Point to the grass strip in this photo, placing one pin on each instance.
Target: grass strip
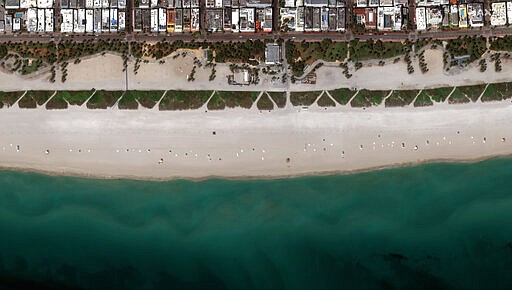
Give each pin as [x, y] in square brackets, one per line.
[497, 92]
[400, 98]
[132, 99]
[184, 100]
[264, 103]
[367, 98]
[472, 92]
[458, 97]
[343, 95]
[8, 99]
[103, 99]
[304, 98]
[438, 95]
[423, 100]
[279, 98]
[63, 98]
[325, 101]
[32, 99]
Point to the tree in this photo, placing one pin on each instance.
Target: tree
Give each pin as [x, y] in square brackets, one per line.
[3, 50]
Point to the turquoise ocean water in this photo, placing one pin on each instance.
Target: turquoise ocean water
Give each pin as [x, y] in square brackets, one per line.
[437, 226]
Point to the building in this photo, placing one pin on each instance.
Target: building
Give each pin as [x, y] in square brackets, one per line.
[27, 15]
[272, 54]
[246, 20]
[66, 25]
[214, 21]
[499, 13]
[389, 18]
[476, 14]
[366, 17]
[434, 16]
[421, 21]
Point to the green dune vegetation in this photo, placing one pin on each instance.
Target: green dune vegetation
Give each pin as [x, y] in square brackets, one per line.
[438, 95]
[184, 100]
[325, 101]
[497, 92]
[132, 99]
[304, 98]
[400, 98]
[472, 92]
[216, 103]
[62, 99]
[8, 99]
[32, 99]
[458, 97]
[218, 100]
[343, 95]
[264, 103]
[367, 98]
[103, 99]
[423, 100]
[240, 99]
[466, 94]
[279, 98]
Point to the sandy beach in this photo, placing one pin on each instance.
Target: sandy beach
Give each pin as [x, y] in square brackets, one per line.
[105, 72]
[151, 144]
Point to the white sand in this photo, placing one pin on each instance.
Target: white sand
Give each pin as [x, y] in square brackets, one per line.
[113, 143]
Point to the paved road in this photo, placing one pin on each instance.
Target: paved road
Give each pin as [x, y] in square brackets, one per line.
[297, 36]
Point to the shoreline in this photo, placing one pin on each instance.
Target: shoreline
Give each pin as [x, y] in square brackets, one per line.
[256, 177]
[249, 144]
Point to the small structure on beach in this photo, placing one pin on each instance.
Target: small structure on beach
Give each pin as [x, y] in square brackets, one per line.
[272, 54]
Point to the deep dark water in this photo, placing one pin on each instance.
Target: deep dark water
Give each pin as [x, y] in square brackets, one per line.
[437, 226]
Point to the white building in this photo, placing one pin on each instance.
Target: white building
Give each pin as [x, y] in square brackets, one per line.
[434, 16]
[122, 20]
[48, 13]
[113, 19]
[498, 13]
[32, 20]
[235, 20]
[154, 20]
[389, 18]
[67, 20]
[162, 20]
[247, 20]
[16, 24]
[45, 3]
[40, 20]
[289, 3]
[89, 20]
[195, 20]
[79, 20]
[463, 16]
[24, 4]
[421, 23]
[105, 19]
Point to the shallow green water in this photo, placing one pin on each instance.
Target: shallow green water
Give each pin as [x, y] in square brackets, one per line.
[439, 226]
